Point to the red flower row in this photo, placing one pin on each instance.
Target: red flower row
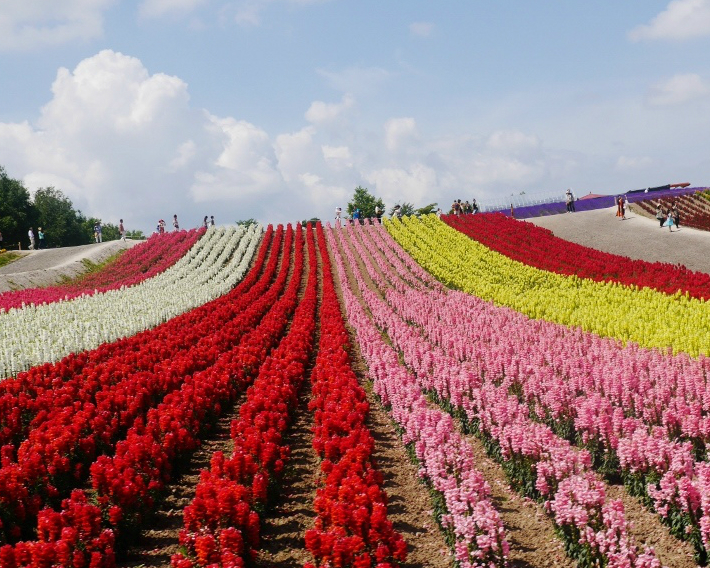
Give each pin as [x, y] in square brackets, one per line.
[64, 439]
[26, 399]
[352, 528]
[222, 522]
[134, 265]
[142, 462]
[538, 247]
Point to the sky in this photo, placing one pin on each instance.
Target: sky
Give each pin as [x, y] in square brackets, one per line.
[277, 109]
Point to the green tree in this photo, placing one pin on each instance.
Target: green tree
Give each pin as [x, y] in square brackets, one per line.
[427, 209]
[247, 222]
[17, 213]
[405, 209]
[109, 232]
[365, 202]
[62, 225]
[135, 235]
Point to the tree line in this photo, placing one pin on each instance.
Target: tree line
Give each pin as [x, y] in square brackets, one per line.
[50, 209]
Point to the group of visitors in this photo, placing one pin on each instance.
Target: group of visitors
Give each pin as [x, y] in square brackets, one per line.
[357, 214]
[669, 217]
[622, 204]
[207, 222]
[465, 208]
[38, 243]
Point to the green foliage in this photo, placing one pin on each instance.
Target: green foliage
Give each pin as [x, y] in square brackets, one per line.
[17, 214]
[405, 209]
[135, 235]
[247, 222]
[312, 221]
[365, 202]
[427, 209]
[61, 224]
[109, 232]
[8, 257]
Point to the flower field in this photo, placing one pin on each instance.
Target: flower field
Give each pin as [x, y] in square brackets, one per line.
[502, 368]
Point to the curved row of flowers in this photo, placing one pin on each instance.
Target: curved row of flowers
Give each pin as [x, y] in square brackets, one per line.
[37, 334]
[133, 266]
[540, 248]
[351, 527]
[447, 460]
[126, 484]
[644, 316]
[222, 524]
[539, 462]
[69, 425]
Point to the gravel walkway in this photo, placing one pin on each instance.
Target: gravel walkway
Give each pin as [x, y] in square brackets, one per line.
[637, 237]
[39, 268]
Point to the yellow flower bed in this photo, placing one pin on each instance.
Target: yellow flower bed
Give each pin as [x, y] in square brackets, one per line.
[644, 316]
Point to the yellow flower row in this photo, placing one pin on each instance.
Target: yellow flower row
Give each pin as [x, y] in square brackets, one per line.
[644, 316]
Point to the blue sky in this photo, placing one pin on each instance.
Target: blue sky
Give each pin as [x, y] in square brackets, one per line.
[278, 109]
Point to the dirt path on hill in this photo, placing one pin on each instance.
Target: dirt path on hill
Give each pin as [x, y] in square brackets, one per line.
[46, 267]
[637, 237]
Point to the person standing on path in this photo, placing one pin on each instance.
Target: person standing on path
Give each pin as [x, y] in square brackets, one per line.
[659, 215]
[121, 230]
[211, 220]
[620, 209]
[176, 225]
[338, 215]
[31, 235]
[40, 235]
[676, 216]
[205, 224]
[669, 221]
[569, 199]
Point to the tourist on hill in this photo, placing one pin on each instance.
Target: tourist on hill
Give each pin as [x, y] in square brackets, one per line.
[121, 230]
[211, 220]
[669, 221]
[659, 215]
[569, 200]
[40, 236]
[205, 223]
[474, 206]
[676, 216]
[31, 235]
[176, 225]
[620, 209]
[338, 216]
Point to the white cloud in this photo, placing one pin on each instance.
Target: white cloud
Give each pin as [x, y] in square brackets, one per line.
[34, 24]
[320, 112]
[416, 184]
[421, 29]
[679, 89]
[633, 162]
[512, 141]
[399, 132]
[682, 19]
[160, 8]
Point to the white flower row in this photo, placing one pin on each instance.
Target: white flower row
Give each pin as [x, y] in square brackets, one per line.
[33, 335]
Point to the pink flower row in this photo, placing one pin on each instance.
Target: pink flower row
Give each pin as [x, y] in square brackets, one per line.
[135, 265]
[557, 468]
[447, 460]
